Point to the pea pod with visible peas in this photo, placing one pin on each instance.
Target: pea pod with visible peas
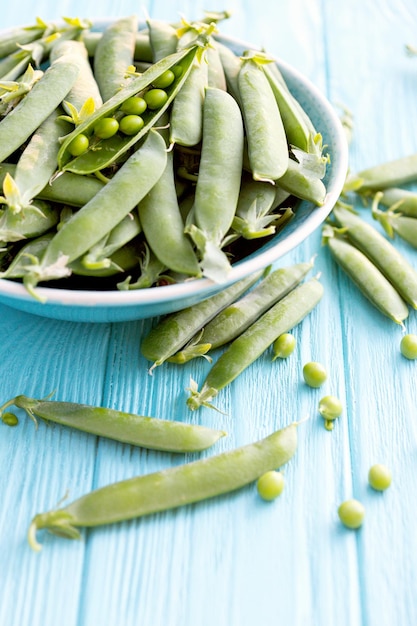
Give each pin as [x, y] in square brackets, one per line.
[103, 212]
[175, 330]
[368, 278]
[381, 252]
[243, 351]
[170, 488]
[102, 153]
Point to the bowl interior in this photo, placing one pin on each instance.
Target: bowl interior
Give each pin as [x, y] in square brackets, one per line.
[110, 306]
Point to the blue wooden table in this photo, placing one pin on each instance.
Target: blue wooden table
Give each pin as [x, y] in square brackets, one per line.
[236, 560]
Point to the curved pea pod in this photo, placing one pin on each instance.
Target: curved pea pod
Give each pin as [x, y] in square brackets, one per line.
[170, 488]
[32, 222]
[243, 351]
[104, 211]
[114, 54]
[19, 36]
[402, 199]
[174, 331]
[147, 432]
[297, 130]
[186, 121]
[367, 277]
[267, 142]
[393, 173]
[216, 195]
[163, 226]
[71, 189]
[37, 105]
[381, 252]
[102, 153]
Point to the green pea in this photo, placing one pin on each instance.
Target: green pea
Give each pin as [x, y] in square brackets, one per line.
[270, 485]
[283, 346]
[164, 80]
[106, 127]
[10, 419]
[330, 408]
[314, 374]
[131, 124]
[135, 105]
[155, 98]
[177, 70]
[351, 513]
[379, 477]
[78, 145]
[408, 346]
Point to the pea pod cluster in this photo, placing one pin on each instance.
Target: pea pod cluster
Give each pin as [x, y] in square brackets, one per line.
[140, 123]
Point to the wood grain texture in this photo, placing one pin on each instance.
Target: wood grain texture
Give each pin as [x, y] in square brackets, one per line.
[236, 560]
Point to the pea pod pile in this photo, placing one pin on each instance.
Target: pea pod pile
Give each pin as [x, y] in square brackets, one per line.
[114, 147]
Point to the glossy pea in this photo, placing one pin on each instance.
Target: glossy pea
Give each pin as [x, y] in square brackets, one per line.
[351, 513]
[135, 105]
[379, 477]
[164, 80]
[79, 145]
[368, 278]
[147, 432]
[283, 346]
[270, 485]
[408, 346]
[131, 124]
[243, 351]
[171, 333]
[106, 127]
[314, 374]
[381, 252]
[170, 488]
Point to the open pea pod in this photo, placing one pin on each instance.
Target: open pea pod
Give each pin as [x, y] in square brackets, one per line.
[104, 152]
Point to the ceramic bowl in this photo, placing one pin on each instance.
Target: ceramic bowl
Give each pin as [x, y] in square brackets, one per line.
[119, 306]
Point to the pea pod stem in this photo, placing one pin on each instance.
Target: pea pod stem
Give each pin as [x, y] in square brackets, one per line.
[243, 351]
[170, 488]
[147, 432]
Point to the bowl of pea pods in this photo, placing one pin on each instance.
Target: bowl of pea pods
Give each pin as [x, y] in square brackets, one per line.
[146, 166]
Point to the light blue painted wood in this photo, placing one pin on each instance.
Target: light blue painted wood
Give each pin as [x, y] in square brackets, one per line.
[235, 561]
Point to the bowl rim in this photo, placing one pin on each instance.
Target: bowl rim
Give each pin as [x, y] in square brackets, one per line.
[194, 286]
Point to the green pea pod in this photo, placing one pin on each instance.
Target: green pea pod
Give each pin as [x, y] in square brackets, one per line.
[267, 142]
[393, 173]
[231, 64]
[163, 226]
[170, 488]
[19, 36]
[174, 331]
[402, 199]
[367, 277]
[302, 185]
[186, 122]
[216, 76]
[104, 152]
[237, 317]
[147, 432]
[243, 351]
[163, 39]
[37, 105]
[216, 195]
[35, 220]
[114, 54]
[394, 223]
[381, 252]
[143, 50]
[123, 260]
[104, 211]
[24, 259]
[253, 217]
